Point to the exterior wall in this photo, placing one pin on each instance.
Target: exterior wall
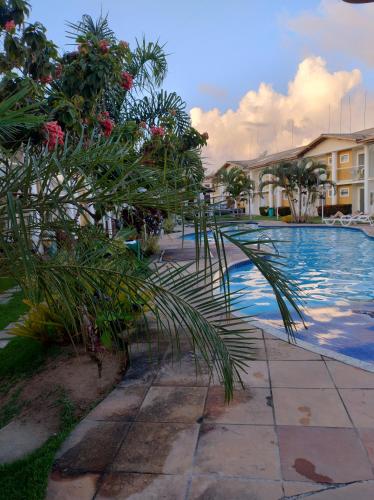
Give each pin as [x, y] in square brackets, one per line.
[345, 168]
[344, 200]
[328, 145]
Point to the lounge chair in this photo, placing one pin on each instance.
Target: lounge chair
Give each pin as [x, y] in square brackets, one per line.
[358, 219]
[330, 221]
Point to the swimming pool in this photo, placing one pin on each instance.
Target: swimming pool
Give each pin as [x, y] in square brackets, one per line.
[334, 268]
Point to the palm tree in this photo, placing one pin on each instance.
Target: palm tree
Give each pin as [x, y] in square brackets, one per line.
[297, 178]
[236, 182]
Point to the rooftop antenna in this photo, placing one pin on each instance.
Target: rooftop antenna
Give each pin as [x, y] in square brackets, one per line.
[350, 114]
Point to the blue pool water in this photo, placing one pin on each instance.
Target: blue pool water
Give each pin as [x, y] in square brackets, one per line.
[334, 268]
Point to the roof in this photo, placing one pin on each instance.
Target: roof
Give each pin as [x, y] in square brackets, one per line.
[361, 136]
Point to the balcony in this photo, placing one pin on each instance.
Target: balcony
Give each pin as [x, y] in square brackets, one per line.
[358, 173]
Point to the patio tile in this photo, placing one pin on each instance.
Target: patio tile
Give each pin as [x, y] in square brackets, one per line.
[91, 446]
[359, 491]
[119, 486]
[239, 450]
[300, 374]
[280, 350]
[73, 488]
[213, 488]
[309, 407]
[185, 371]
[367, 438]
[322, 455]
[250, 406]
[360, 406]
[173, 404]
[157, 448]
[293, 488]
[350, 377]
[256, 375]
[259, 349]
[120, 404]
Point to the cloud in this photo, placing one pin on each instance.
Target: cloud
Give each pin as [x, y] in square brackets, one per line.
[213, 91]
[338, 27]
[272, 121]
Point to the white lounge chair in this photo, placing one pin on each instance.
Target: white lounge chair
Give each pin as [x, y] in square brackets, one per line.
[338, 217]
[358, 219]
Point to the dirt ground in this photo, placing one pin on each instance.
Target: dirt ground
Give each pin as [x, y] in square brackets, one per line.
[69, 376]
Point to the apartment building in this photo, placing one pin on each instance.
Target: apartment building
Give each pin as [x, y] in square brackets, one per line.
[350, 160]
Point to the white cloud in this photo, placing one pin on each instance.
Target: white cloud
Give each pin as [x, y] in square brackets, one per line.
[339, 27]
[272, 121]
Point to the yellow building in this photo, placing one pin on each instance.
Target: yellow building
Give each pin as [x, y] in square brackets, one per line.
[350, 160]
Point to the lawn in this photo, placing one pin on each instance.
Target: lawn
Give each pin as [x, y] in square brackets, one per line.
[12, 310]
[6, 283]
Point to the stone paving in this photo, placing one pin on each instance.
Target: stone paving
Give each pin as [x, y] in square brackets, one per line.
[303, 425]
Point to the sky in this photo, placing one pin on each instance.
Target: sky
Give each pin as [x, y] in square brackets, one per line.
[257, 75]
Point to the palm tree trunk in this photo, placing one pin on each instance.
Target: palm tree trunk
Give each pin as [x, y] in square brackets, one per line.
[292, 205]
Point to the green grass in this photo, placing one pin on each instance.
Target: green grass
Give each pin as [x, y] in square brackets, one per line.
[27, 479]
[10, 409]
[12, 310]
[21, 357]
[6, 283]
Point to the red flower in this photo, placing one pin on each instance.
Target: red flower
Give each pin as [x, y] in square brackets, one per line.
[10, 26]
[106, 123]
[104, 46]
[123, 44]
[205, 136]
[157, 131]
[54, 135]
[127, 80]
[46, 79]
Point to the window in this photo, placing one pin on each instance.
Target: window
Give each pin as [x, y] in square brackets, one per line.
[329, 160]
[344, 192]
[285, 197]
[344, 158]
[361, 160]
[330, 193]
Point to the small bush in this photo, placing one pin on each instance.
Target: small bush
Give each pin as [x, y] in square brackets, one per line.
[333, 209]
[168, 225]
[264, 211]
[151, 246]
[283, 211]
[287, 218]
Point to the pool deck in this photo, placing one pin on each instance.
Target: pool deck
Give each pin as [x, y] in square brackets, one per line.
[303, 426]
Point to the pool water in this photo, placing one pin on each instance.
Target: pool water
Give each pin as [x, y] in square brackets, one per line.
[334, 268]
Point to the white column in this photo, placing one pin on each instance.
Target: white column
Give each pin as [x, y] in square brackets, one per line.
[334, 176]
[279, 197]
[271, 203]
[366, 180]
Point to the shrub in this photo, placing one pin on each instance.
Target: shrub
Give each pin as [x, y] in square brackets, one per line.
[168, 225]
[333, 209]
[264, 211]
[283, 211]
[151, 246]
[287, 218]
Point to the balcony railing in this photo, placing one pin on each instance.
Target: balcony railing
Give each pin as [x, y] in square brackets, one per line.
[358, 173]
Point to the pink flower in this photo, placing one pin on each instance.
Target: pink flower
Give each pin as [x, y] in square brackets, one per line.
[54, 135]
[127, 80]
[123, 44]
[106, 123]
[104, 46]
[46, 79]
[10, 26]
[157, 131]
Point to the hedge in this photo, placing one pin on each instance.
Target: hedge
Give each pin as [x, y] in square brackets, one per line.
[264, 211]
[283, 211]
[333, 209]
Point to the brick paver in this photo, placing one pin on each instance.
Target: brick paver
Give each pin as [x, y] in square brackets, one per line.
[302, 425]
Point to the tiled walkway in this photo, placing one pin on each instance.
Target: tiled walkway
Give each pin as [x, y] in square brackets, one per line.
[303, 424]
